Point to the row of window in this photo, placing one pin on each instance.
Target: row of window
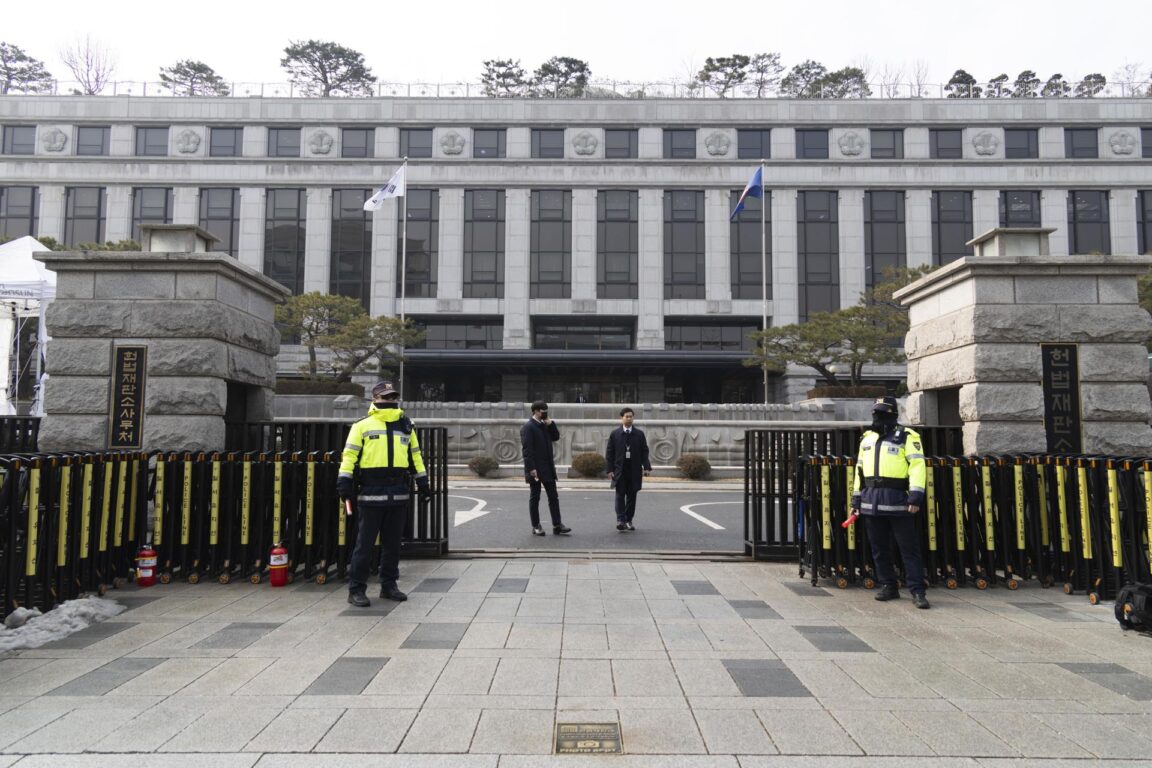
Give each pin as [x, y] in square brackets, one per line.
[730, 334]
[679, 143]
[617, 238]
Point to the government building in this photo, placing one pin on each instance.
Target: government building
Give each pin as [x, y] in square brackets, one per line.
[581, 250]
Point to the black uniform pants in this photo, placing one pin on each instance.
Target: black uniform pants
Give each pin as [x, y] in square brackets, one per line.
[534, 501]
[625, 498]
[388, 522]
[881, 530]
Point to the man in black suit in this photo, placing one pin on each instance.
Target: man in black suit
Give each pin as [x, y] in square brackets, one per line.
[536, 438]
[627, 460]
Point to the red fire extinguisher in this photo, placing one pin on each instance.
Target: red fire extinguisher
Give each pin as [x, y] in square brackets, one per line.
[146, 566]
[278, 566]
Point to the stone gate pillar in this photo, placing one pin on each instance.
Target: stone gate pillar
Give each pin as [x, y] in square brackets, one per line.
[157, 349]
[1031, 351]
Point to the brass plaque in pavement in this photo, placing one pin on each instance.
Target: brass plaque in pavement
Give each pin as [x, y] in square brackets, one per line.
[588, 739]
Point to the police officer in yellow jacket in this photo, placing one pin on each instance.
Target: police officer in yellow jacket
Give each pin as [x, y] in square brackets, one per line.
[381, 454]
[888, 492]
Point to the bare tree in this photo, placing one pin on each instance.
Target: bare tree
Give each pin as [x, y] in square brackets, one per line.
[920, 79]
[91, 64]
[890, 77]
[1132, 79]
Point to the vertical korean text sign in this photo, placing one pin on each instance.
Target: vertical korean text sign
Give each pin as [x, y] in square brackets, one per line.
[126, 410]
[1062, 421]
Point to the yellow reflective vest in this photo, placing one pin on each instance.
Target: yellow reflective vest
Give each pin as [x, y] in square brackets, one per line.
[382, 452]
[890, 472]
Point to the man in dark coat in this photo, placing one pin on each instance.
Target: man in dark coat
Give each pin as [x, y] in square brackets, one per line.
[628, 465]
[536, 438]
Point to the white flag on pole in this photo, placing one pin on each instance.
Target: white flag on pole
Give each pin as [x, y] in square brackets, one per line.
[394, 188]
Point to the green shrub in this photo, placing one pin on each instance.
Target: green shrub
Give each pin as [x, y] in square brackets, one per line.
[317, 387]
[483, 465]
[588, 464]
[864, 390]
[694, 466]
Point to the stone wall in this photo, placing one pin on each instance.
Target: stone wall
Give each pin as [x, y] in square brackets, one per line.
[206, 320]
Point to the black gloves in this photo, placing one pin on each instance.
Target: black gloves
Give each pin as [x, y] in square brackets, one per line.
[346, 487]
[423, 488]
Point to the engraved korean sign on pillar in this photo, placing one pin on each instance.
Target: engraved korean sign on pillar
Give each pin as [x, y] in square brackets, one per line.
[126, 411]
[1062, 423]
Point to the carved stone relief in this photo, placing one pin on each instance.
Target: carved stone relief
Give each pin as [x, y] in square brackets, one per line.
[852, 144]
[187, 141]
[585, 143]
[53, 140]
[1122, 143]
[717, 144]
[452, 143]
[320, 143]
[985, 143]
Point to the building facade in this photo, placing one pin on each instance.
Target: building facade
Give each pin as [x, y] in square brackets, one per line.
[581, 250]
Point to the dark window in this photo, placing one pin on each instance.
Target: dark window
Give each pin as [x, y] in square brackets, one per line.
[351, 248]
[357, 142]
[283, 142]
[620, 143]
[284, 237]
[1020, 208]
[547, 142]
[818, 248]
[488, 142]
[885, 248]
[1081, 142]
[415, 142]
[617, 243]
[83, 215]
[19, 139]
[550, 253]
[684, 274]
[1088, 222]
[152, 141]
[812, 144]
[1146, 142]
[92, 140]
[572, 334]
[679, 143]
[225, 142]
[220, 215]
[423, 238]
[951, 225]
[1021, 143]
[461, 334]
[750, 261]
[17, 212]
[753, 144]
[946, 143]
[483, 243]
[887, 144]
[1144, 221]
[695, 336]
[150, 205]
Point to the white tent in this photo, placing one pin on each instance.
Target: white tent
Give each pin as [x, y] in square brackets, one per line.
[26, 288]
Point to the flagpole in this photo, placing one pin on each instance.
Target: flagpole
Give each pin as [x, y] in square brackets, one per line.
[764, 265]
[403, 272]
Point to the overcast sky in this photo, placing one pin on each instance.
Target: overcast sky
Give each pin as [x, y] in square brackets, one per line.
[638, 41]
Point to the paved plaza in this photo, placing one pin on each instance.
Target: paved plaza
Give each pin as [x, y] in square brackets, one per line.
[702, 664]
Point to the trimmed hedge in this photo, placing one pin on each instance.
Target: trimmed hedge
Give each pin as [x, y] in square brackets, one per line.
[483, 465]
[317, 387]
[866, 390]
[588, 464]
[694, 466]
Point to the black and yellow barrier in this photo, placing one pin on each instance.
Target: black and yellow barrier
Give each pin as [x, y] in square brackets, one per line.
[71, 524]
[1080, 521]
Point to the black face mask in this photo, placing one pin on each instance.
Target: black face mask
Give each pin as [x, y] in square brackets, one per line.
[883, 421]
[387, 404]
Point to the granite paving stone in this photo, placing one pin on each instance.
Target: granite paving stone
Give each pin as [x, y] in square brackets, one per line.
[441, 730]
[880, 733]
[682, 637]
[143, 761]
[727, 731]
[805, 589]
[954, 733]
[368, 730]
[486, 634]
[727, 636]
[1115, 678]
[1029, 735]
[295, 730]
[542, 637]
[505, 585]
[635, 637]
[225, 729]
[89, 636]
[466, 675]
[498, 607]
[586, 677]
[226, 677]
[753, 609]
[103, 679]
[807, 732]
[767, 677]
[408, 674]
[585, 636]
[1050, 611]
[149, 730]
[696, 587]
[1112, 737]
[527, 677]
[348, 675]
[660, 732]
[882, 678]
[637, 677]
[833, 639]
[168, 677]
[435, 636]
[705, 677]
[510, 731]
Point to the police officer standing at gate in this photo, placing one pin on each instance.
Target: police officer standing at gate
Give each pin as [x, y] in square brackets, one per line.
[888, 492]
[381, 454]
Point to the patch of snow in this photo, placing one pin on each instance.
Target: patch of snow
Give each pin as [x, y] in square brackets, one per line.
[36, 629]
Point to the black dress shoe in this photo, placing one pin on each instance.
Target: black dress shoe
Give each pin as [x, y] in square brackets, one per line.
[629, 526]
[887, 592]
[920, 601]
[359, 599]
[538, 531]
[621, 526]
[561, 529]
[393, 593]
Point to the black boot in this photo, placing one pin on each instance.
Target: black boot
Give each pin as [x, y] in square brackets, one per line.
[392, 592]
[359, 599]
[920, 601]
[561, 529]
[887, 592]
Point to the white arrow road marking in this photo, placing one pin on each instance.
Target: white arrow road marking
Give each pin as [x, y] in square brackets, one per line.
[687, 509]
[468, 515]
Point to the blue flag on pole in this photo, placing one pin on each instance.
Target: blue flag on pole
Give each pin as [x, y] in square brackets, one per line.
[754, 188]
